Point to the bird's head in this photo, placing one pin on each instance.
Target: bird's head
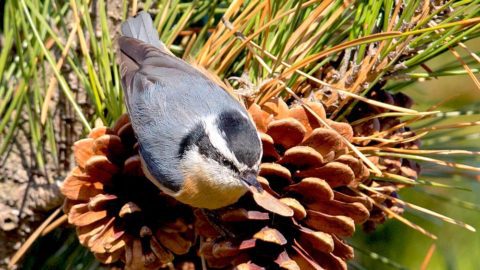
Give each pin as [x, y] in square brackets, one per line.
[220, 158]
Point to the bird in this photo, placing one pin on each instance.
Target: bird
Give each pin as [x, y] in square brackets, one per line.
[197, 142]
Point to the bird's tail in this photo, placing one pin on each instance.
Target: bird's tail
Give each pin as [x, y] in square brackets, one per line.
[141, 27]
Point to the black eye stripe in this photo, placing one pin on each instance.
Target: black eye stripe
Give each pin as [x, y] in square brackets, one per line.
[206, 149]
[198, 137]
[227, 163]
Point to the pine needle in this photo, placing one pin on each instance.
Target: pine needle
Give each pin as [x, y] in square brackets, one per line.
[466, 67]
[390, 114]
[449, 126]
[61, 80]
[428, 257]
[31, 239]
[422, 209]
[55, 224]
[376, 256]
[432, 160]
[134, 8]
[395, 178]
[420, 151]
[53, 81]
[397, 216]
[459, 59]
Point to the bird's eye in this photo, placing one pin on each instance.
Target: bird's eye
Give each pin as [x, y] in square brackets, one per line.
[227, 163]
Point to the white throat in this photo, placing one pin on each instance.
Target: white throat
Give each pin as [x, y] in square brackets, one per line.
[208, 184]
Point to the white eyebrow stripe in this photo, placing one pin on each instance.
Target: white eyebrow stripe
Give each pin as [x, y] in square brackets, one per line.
[219, 142]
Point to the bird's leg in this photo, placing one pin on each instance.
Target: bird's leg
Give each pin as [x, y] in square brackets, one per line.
[214, 220]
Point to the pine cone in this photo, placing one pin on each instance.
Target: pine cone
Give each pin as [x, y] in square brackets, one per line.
[118, 213]
[307, 166]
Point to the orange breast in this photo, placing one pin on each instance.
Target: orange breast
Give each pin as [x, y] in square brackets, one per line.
[203, 193]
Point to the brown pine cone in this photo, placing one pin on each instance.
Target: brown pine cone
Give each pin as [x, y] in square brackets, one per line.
[308, 167]
[118, 214]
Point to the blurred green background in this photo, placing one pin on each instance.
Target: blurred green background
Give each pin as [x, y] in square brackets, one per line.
[456, 248]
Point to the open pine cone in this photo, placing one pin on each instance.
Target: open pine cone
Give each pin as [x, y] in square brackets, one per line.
[122, 217]
[307, 166]
[118, 214]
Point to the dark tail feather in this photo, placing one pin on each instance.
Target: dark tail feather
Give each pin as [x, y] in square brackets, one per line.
[141, 27]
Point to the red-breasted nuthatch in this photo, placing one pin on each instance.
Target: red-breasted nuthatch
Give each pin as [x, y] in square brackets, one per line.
[196, 141]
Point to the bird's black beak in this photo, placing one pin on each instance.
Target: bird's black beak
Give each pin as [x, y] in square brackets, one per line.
[262, 197]
[249, 178]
